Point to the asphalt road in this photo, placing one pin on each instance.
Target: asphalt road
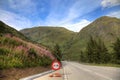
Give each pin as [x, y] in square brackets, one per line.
[77, 71]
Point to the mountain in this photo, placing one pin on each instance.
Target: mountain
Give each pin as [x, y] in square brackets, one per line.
[106, 28]
[16, 51]
[5, 29]
[48, 35]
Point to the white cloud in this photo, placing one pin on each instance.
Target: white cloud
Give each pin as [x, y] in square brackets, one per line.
[76, 27]
[76, 9]
[14, 20]
[110, 3]
[114, 14]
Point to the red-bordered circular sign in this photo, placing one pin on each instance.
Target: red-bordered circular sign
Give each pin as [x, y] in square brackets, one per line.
[56, 65]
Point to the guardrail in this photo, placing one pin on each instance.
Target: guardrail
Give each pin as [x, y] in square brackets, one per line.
[36, 75]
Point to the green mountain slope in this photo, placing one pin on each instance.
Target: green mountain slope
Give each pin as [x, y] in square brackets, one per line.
[5, 29]
[48, 35]
[17, 51]
[106, 28]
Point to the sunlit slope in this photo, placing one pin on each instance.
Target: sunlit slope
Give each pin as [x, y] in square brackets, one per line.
[5, 29]
[19, 52]
[48, 35]
[106, 28]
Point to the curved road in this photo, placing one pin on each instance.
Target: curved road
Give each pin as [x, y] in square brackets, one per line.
[76, 71]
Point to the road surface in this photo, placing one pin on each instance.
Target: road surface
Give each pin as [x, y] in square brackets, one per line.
[76, 71]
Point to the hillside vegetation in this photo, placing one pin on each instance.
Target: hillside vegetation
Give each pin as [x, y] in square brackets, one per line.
[95, 43]
[17, 52]
[48, 36]
[5, 29]
[106, 29]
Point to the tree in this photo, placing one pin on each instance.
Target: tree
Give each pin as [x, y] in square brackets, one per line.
[83, 57]
[116, 48]
[91, 51]
[104, 55]
[96, 52]
[57, 52]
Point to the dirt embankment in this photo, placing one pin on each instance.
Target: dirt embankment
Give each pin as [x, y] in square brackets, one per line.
[16, 74]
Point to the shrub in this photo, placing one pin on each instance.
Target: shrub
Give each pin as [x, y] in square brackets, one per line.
[4, 51]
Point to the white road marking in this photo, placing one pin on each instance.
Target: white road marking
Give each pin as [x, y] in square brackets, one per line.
[92, 72]
[65, 75]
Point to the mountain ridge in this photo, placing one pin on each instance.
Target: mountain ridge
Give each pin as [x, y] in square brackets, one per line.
[48, 35]
[106, 28]
[4, 29]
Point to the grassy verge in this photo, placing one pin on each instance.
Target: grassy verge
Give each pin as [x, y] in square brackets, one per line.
[105, 65]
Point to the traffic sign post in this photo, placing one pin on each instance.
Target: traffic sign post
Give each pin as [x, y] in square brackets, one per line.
[56, 65]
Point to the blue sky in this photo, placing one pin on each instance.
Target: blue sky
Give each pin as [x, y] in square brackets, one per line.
[71, 14]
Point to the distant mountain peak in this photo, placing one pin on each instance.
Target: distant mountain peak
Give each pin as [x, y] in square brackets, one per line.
[106, 28]
[48, 35]
[1, 22]
[104, 21]
[106, 18]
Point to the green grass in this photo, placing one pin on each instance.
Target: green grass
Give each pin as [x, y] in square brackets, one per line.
[15, 53]
[105, 65]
